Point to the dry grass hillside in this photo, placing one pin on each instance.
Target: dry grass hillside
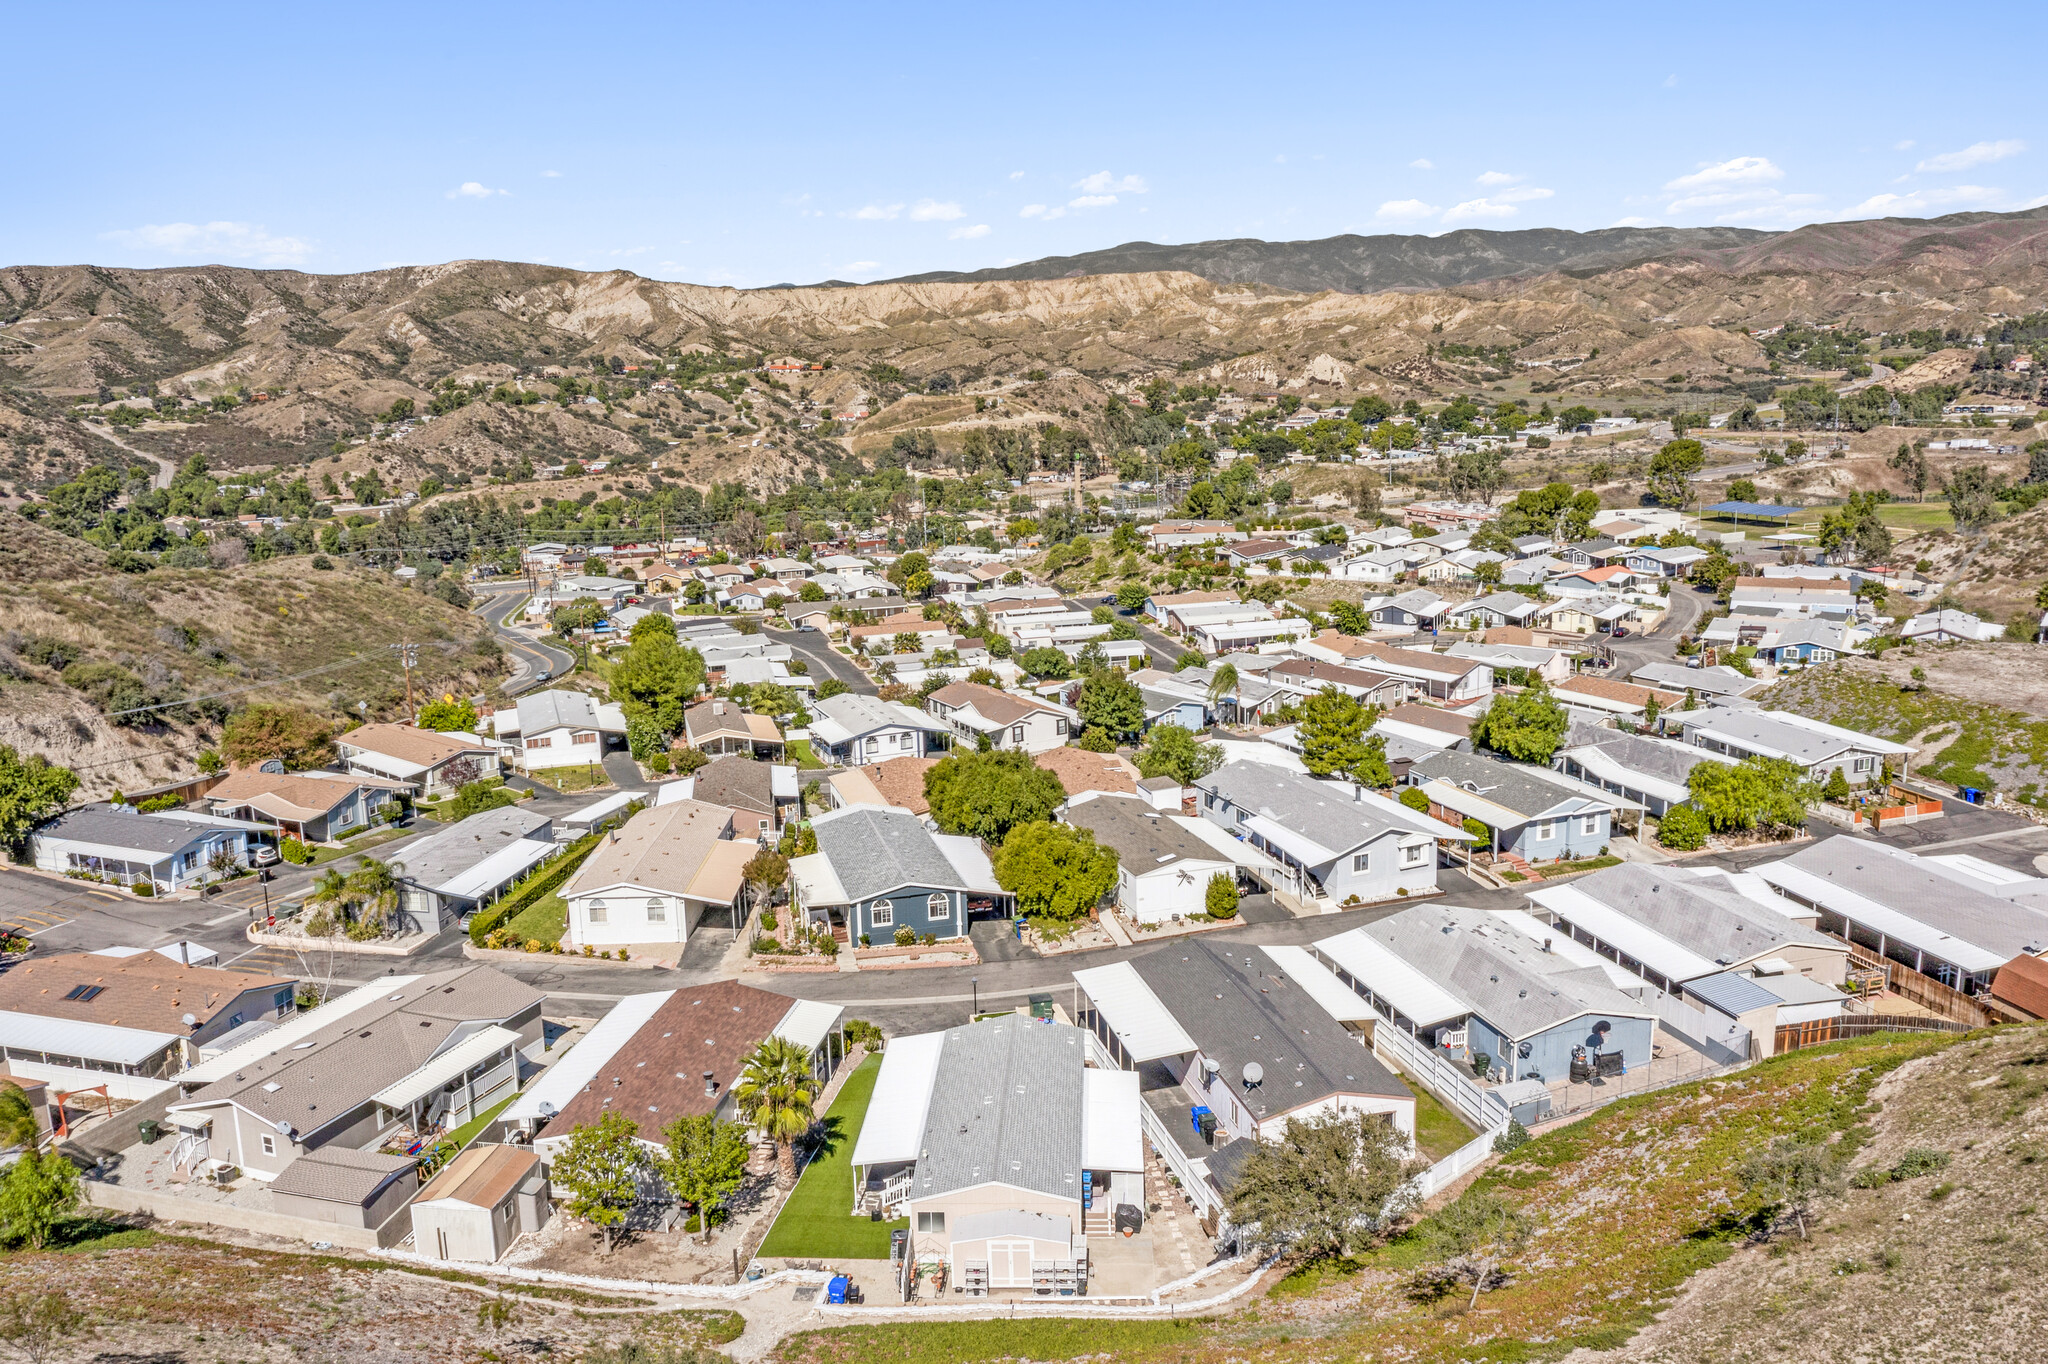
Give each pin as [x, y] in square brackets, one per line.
[275, 631]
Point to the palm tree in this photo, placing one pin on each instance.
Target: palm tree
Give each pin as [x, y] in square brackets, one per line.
[775, 1093]
[1222, 683]
[330, 889]
[374, 886]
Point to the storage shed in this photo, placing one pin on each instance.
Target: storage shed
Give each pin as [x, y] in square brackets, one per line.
[480, 1204]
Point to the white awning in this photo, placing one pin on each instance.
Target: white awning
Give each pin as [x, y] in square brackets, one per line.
[1337, 999]
[894, 1126]
[499, 868]
[1624, 934]
[1237, 850]
[103, 1042]
[1141, 1023]
[295, 1030]
[591, 814]
[1299, 846]
[1110, 1135]
[816, 882]
[564, 1080]
[1374, 965]
[1563, 944]
[1869, 914]
[451, 1064]
[809, 1022]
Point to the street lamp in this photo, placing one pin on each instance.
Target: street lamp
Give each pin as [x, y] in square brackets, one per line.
[975, 981]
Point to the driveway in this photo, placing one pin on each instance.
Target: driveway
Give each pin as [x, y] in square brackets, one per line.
[825, 661]
[624, 772]
[1165, 652]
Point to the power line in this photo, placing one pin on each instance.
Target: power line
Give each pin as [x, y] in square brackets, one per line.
[350, 661]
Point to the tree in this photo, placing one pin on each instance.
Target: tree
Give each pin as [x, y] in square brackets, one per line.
[1056, 871]
[1671, 470]
[831, 687]
[31, 789]
[473, 798]
[1328, 1186]
[661, 675]
[17, 1118]
[1416, 799]
[39, 1191]
[297, 738]
[1223, 682]
[1474, 1236]
[1758, 792]
[1350, 618]
[1046, 662]
[1790, 1176]
[1682, 829]
[599, 1170]
[1112, 702]
[985, 795]
[1526, 726]
[1132, 596]
[1742, 490]
[1220, 899]
[703, 1160]
[766, 870]
[1837, 787]
[1972, 497]
[35, 1325]
[776, 1092]
[448, 714]
[1171, 751]
[1334, 742]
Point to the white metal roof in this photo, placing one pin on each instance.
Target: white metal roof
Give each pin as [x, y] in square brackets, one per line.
[500, 867]
[591, 814]
[1870, 914]
[1375, 965]
[294, 1030]
[1237, 850]
[809, 1022]
[1144, 1026]
[1338, 1000]
[87, 1041]
[816, 882]
[1977, 869]
[1300, 845]
[1625, 934]
[565, 1079]
[1110, 1136]
[894, 1125]
[473, 1050]
[1563, 944]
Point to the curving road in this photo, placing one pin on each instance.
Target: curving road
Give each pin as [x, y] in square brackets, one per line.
[529, 656]
[825, 661]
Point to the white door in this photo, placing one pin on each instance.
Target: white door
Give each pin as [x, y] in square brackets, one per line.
[1009, 1264]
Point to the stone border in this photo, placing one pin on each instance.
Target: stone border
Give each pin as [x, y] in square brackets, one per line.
[506, 954]
[416, 943]
[766, 962]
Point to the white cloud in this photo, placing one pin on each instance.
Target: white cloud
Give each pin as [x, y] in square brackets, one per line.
[1016, 175]
[1522, 194]
[1041, 211]
[1632, 222]
[1422, 163]
[1976, 154]
[1092, 201]
[1741, 170]
[1920, 200]
[471, 189]
[1905, 146]
[1495, 178]
[876, 213]
[1405, 211]
[1102, 182]
[216, 241]
[1671, 81]
[969, 233]
[931, 211]
[550, 175]
[1478, 208]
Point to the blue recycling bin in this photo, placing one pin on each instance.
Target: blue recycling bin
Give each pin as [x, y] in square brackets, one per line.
[1973, 795]
[835, 1291]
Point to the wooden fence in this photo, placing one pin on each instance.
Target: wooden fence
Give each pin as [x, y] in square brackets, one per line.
[1813, 1032]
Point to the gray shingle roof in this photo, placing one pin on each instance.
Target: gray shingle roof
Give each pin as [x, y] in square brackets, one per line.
[1321, 810]
[1662, 758]
[1707, 920]
[1240, 1014]
[335, 1174]
[1506, 978]
[1518, 788]
[128, 828]
[1142, 838]
[1006, 1107]
[875, 850]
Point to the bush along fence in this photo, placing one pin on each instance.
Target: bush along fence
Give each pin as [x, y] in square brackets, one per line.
[536, 888]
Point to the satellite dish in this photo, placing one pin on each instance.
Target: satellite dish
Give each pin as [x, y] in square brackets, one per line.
[1254, 1074]
[284, 1127]
[1210, 1065]
[548, 1110]
[190, 1020]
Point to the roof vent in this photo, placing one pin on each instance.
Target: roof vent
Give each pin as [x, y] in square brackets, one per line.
[710, 1084]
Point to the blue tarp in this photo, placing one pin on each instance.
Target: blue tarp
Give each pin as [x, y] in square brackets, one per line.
[1760, 509]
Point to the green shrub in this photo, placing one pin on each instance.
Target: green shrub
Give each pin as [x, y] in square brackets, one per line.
[538, 887]
[1682, 829]
[144, 888]
[1220, 901]
[906, 936]
[294, 851]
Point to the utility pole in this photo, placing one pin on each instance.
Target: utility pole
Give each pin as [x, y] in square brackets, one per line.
[409, 658]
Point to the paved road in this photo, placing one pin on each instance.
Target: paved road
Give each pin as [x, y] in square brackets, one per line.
[1165, 651]
[825, 661]
[1686, 606]
[529, 655]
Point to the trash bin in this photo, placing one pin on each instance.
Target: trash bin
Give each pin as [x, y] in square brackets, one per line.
[149, 1129]
[1973, 795]
[835, 1291]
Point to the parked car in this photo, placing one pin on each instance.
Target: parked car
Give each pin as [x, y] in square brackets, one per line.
[1618, 632]
[264, 855]
[544, 675]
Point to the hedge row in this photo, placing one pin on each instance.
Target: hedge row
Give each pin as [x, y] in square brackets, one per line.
[536, 888]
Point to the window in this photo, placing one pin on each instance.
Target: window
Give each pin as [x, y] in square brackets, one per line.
[1361, 862]
[1059, 725]
[85, 993]
[882, 914]
[269, 1146]
[1414, 856]
[1208, 800]
[583, 737]
[1545, 830]
[939, 906]
[657, 912]
[931, 1221]
[1589, 824]
[596, 912]
[1016, 734]
[540, 743]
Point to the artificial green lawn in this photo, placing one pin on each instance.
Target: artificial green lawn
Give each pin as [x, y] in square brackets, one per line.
[814, 1224]
[1438, 1131]
[799, 752]
[465, 1134]
[546, 919]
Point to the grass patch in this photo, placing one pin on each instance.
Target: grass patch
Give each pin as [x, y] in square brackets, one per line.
[360, 843]
[941, 1342]
[814, 1224]
[1993, 748]
[1590, 864]
[586, 778]
[93, 1234]
[799, 752]
[546, 919]
[1513, 876]
[694, 1327]
[1438, 1130]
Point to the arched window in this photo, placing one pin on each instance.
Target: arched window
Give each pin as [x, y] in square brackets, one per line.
[657, 912]
[882, 914]
[939, 906]
[597, 911]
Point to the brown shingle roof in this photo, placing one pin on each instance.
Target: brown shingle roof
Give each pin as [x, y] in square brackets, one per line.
[1509, 634]
[662, 849]
[423, 746]
[482, 1176]
[999, 707]
[1314, 670]
[738, 783]
[1079, 770]
[709, 719]
[901, 781]
[1627, 693]
[1429, 717]
[658, 1075]
[147, 991]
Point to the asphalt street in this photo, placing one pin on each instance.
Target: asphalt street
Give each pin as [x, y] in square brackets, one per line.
[824, 660]
[529, 656]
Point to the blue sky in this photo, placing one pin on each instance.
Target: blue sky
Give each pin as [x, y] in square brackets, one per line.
[747, 145]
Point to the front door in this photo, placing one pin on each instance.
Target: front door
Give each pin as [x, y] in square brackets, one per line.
[1009, 1264]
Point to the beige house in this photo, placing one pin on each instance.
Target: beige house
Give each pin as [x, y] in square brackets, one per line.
[426, 759]
[1008, 721]
[720, 727]
[654, 880]
[1004, 1149]
[483, 1201]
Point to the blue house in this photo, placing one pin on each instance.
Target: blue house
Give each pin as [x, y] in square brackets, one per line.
[1487, 988]
[1532, 812]
[878, 870]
